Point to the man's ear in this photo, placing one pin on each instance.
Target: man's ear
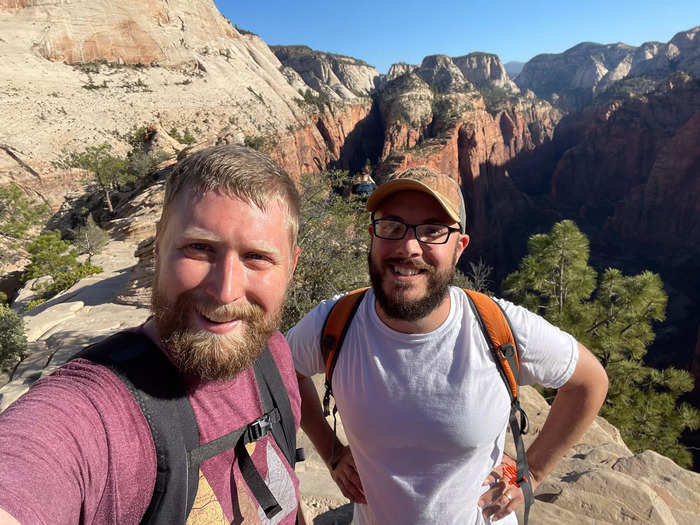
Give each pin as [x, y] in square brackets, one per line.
[462, 243]
[295, 259]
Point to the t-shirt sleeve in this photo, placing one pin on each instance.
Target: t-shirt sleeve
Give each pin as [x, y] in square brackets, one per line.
[76, 448]
[305, 339]
[548, 355]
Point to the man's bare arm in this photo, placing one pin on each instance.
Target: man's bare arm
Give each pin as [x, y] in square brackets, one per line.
[314, 424]
[575, 406]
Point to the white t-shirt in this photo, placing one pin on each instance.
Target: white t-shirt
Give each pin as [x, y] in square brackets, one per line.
[426, 414]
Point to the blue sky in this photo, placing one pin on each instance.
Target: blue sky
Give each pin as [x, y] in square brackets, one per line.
[382, 32]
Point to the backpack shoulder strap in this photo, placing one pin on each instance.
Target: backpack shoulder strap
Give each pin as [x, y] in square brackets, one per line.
[132, 357]
[273, 394]
[496, 329]
[333, 334]
[501, 340]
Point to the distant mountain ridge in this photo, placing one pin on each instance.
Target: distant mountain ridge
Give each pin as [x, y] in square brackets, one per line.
[575, 76]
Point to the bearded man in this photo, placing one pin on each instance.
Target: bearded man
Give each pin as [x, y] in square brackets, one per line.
[423, 406]
[178, 419]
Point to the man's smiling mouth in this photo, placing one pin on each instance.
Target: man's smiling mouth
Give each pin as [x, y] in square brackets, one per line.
[216, 318]
[406, 271]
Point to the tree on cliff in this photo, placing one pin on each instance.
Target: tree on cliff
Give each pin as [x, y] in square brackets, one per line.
[109, 172]
[333, 241]
[18, 214]
[52, 256]
[13, 341]
[613, 317]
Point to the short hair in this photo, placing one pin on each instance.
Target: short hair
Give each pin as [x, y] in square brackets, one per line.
[237, 171]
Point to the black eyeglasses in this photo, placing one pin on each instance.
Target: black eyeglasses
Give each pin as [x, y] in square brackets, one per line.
[394, 230]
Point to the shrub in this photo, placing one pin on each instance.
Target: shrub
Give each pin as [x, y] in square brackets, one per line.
[52, 256]
[90, 238]
[257, 142]
[13, 341]
[333, 241]
[185, 138]
[18, 215]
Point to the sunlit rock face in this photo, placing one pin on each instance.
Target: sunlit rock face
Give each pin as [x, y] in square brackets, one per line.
[573, 78]
[336, 75]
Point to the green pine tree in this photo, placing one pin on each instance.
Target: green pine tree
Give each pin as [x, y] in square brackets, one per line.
[52, 256]
[109, 172]
[613, 317]
[18, 215]
[13, 341]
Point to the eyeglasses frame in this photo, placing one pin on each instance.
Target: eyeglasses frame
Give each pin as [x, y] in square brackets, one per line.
[450, 230]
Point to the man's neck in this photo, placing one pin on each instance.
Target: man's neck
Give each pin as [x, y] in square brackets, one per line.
[149, 328]
[423, 325]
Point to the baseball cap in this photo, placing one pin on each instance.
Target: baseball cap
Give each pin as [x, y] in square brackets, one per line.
[422, 178]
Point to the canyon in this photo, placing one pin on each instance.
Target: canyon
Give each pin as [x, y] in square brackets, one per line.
[605, 134]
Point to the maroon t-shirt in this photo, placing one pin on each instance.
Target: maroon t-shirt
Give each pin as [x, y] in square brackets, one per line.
[76, 448]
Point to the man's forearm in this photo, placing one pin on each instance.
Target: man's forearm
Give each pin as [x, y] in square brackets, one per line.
[314, 423]
[572, 411]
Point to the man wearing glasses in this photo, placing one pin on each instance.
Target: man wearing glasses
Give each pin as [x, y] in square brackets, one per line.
[423, 406]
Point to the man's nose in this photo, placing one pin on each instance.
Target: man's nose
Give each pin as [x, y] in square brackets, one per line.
[409, 244]
[226, 279]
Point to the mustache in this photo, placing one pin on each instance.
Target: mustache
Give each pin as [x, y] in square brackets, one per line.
[176, 313]
[411, 263]
[226, 312]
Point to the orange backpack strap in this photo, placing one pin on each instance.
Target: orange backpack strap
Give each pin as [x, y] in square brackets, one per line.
[333, 333]
[501, 341]
[496, 328]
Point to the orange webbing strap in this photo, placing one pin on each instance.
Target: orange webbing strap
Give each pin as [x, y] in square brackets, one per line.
[501, 341]
[498, 334]
[334, 330]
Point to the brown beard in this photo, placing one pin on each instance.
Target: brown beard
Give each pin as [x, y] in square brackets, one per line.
[396, 306]
[200, 353]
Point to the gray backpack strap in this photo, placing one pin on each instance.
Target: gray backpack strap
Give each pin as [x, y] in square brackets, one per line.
[132, 357]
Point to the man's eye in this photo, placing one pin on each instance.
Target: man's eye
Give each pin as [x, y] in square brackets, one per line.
[254, 256]
[199, 247]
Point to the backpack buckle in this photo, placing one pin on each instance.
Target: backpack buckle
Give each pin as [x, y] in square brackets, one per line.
[260, 427]
[506, 351]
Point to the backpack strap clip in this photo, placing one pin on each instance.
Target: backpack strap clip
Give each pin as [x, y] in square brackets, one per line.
[327, 400]
[259, 428]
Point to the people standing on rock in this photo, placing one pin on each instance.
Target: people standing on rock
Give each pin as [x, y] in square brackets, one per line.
[422, 403]
[193, 415]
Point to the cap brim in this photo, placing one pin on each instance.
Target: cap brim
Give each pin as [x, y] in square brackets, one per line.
[396, 185]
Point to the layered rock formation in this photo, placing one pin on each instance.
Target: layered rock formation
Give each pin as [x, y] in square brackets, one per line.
[485, 69]
[574, 77]
[88, 79]
[335, 75]
[431, 114]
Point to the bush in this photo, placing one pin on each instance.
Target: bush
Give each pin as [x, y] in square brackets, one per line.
[18, 215]
[13, 341]
[109, 172]
[310, 101]
[52, 256]
[185, 138]
[90, 238]
[257, 142]
[333, 241]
